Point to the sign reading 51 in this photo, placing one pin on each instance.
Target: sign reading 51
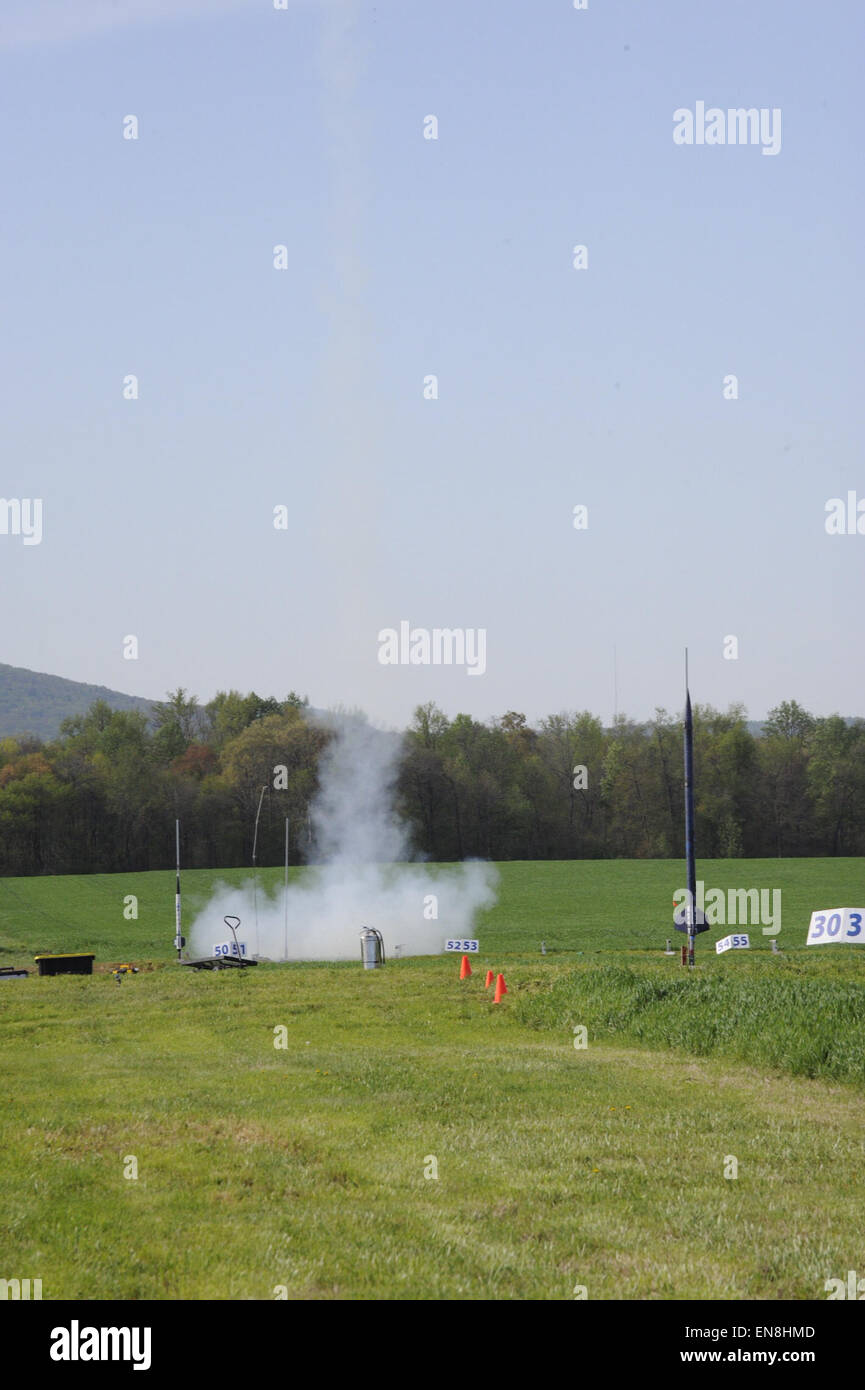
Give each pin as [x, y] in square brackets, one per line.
[228, 948]
[836, 924]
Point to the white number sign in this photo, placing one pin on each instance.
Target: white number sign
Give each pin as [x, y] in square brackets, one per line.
[836, 924]
[228, 948]
[732, 943]
[456, 945]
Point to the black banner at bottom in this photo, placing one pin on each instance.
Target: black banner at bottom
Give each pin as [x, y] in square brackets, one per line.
[65, 1339]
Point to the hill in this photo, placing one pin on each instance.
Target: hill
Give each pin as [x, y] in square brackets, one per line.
[32, 702]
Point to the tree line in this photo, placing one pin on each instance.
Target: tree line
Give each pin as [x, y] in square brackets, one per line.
[103, 795]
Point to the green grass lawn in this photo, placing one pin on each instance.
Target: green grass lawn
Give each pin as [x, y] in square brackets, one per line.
[303, 1167]
[573, 905]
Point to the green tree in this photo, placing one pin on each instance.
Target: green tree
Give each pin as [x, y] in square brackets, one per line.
[178, 722]
[836, 781]
[784, 749]
[566, 742]
[255, 759]
[424, 791]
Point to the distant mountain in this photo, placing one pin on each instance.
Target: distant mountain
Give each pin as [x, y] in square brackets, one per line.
[34, 703]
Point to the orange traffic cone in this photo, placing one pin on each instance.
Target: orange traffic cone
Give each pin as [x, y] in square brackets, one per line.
[465, 969]
[501, 988]
[488, 981]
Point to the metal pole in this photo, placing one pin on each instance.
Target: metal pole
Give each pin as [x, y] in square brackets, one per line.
[178, 938]
[689, 819]
[285, 952]
[254, 871]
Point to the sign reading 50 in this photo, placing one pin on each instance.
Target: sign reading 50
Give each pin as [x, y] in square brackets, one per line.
[457, 945]
[836, 924]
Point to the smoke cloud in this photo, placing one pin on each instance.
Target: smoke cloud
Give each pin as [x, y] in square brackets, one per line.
[361, 877]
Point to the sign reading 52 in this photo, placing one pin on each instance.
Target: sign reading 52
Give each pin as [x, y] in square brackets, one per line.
[836, 924]
[458, 945]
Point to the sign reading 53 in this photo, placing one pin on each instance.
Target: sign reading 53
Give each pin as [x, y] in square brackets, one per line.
[457, 945]
[836, 924]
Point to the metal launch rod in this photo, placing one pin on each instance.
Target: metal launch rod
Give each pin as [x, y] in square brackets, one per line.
[285, 897]
[254, 870]
[178, 938]
[689, 819]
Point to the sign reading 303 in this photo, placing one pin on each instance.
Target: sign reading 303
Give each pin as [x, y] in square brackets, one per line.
[836, 924]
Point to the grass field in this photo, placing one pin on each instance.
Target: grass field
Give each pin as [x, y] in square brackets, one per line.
[302, 1167]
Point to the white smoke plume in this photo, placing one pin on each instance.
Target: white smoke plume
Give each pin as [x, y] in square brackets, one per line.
[362, 877]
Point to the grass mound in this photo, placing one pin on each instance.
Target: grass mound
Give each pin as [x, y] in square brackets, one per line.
[787, 1015]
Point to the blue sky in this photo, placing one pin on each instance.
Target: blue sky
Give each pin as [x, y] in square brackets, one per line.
[407, 257]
